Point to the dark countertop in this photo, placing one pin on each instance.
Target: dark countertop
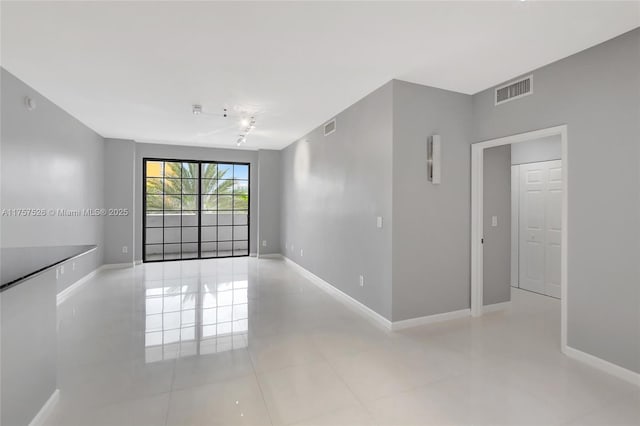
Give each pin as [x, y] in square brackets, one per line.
[19, 263]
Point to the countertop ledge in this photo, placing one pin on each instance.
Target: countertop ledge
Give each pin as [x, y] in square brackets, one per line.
[18, 264]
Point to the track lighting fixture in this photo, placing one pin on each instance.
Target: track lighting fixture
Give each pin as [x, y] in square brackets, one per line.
[246, 123]
[249, 124]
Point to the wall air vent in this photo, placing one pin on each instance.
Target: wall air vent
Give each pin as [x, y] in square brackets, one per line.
[514, 90]
[330, 127]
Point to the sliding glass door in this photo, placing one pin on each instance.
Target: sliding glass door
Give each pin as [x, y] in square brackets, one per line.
[224, 213]
[194, 209]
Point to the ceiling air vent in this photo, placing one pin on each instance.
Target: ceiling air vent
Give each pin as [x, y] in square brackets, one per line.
[514, 90]
[330, 127]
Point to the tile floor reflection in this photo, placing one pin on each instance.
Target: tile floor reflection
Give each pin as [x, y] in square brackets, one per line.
[196, 316]
[243, 341]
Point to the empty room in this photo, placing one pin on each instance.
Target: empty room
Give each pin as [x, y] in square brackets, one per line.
[319, 213]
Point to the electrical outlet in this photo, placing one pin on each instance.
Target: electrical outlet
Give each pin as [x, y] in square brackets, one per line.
[361, 280]
[264, 243]
[62, 269]
[379, 222]
[301, 252]
[494, 221]
[125, 249]
[73, 266]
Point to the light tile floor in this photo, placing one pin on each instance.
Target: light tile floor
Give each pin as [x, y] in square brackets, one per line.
[251, 342]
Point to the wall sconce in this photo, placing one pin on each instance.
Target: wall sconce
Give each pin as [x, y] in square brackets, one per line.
[434, 163]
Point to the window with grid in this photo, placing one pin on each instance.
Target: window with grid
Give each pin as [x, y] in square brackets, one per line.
[195, 209]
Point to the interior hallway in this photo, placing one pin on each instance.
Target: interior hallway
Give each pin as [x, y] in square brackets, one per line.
[295, 355]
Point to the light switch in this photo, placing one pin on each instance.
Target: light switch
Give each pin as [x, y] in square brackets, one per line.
[494, 221]
[379, 222]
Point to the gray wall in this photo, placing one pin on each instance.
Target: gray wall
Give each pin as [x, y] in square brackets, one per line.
[596, 93]
[431, 256]
[497, 240]
[333, 188]
[269, 202]
[119, 160]
[146, 150]
[29, 348]
[49, 160]
[544, 149]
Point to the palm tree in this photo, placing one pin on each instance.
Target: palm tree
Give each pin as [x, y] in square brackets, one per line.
[178, 189]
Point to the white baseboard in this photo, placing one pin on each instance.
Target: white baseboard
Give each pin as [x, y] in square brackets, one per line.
[46, 409]
[67, 292]
[606, 366]
[430, 319]
[342, 297]
[502, 306]
[138, 262]
[370, 313]
[253, 254]
[118, 265]
[270, 256]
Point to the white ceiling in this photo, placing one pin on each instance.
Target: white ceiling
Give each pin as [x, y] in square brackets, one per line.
[133, 70]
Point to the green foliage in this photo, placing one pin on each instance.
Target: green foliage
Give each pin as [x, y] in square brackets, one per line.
[219, 192]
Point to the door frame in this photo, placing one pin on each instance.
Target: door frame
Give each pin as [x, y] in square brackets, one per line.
[477, 204]
[199, 162]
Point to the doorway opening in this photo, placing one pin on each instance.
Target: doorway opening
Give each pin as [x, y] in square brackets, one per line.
[536, 225]
[194, 209]
[538, 229]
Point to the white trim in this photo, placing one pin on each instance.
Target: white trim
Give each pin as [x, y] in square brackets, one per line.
[494, 307]
[606, 366]
[118, 265]
[138, 262]
[564, 240]
[250, 255]
[430, 319]
[477, 158]
[370, 313]
[477, 170]
[67, 292]
[342, 297]
[270, 256]
[46, 409]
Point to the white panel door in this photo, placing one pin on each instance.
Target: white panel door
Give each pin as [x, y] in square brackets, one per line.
[515, 224]
[531, 253]
[553, 228]
[540, 227]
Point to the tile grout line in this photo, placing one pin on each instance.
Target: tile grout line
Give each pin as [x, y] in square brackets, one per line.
[173, 378]
[407, 390]
[255, 374]
[357, 398]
